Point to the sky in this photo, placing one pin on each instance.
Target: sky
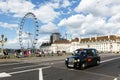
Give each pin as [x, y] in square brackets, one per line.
[77, 18]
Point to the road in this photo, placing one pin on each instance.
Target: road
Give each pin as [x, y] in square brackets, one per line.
[109, 69]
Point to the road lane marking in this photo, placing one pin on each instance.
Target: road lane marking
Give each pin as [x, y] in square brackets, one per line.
[10, 64]
[93, 73]
[17, 72]
[44, 67]
[109, 60]
[40, 74]
[37, 65]
[4, 74]
[98, 74]
[115, 79]
[27, 66]
[23, 67]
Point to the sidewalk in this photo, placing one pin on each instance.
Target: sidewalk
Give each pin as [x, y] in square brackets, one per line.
[47, 58]
[35, 59]
[43, 59]
[108, 54]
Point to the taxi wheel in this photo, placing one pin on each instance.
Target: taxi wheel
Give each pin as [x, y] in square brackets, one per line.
[83, 66]
[67, 65]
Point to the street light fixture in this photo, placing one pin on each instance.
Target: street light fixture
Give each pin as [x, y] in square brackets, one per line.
[2, 41]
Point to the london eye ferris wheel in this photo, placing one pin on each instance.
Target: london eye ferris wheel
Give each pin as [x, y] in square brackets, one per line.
[28, 36]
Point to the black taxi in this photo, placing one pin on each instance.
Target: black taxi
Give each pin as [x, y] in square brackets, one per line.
[81, 58]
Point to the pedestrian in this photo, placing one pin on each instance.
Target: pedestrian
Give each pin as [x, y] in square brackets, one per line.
[15, 53]
[43, 53]
[21, 54]
[4, 54]
[40, 53]
[52, 53]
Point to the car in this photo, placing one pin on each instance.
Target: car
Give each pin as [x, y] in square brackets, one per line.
[82, 58]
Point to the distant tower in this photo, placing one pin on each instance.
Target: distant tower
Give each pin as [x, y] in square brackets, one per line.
[54, 37]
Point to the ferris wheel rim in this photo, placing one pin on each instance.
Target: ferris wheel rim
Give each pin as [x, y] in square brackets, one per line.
[36, 32]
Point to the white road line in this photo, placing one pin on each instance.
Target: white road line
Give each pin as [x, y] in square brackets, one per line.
[4, 74]
[17, 72]
[40, 74]
[109, 60]
[10, 64]
[23, 67]
[26, 66]
[98, 74]
[115, 79]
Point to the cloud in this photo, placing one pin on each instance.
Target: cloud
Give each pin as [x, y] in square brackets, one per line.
[98, 7]
[46, 13]
[94, 17]
[44, 36]
[17, 7]
[44, 39]
[66, 3]
[8, 26]
[115, 18]
[3, 7]
[13, 43]
[80, 24]
[89, 17]
[48, 28]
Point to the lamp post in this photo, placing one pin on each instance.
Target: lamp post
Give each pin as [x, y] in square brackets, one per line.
[2, 41]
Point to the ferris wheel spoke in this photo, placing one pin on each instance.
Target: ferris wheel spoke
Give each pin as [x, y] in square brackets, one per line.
[35, 38]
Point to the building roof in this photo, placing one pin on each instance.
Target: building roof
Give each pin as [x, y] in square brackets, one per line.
[101, 38]
[62, 42]
[75, 40]
[91, 39]
[85, 40]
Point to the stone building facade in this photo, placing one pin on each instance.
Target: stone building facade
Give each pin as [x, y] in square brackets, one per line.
[109, 43]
